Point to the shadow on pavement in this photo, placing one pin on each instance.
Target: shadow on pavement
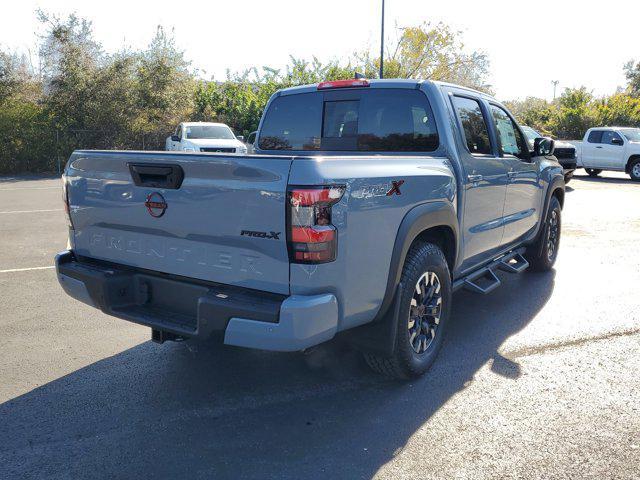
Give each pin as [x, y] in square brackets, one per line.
[601, 179]
[184, 411]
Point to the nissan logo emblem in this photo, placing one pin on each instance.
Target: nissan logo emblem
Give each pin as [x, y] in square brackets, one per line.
[156, 205]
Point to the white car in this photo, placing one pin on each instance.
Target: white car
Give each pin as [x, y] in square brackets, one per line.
[610, 148]
[205, 137]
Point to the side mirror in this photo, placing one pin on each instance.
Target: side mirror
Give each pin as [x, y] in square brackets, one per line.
[175, 138]
[240, 137]
[617, 141]
[543, 146]
[251, 139]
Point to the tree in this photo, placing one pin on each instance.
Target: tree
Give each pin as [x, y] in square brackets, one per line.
[619, 110]
[240, 100]
[574, 114]
[632, 72]
[164, 87]
[430, 52]
[534, 112]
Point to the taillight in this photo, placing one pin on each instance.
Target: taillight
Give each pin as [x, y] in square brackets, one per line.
[311, 236]
[358, 82]
[65, 200]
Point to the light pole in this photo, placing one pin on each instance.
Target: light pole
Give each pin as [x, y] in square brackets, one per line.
[382, 42]
[555, 84]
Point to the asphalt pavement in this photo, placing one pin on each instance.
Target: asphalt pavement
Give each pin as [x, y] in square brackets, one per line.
[538, 379]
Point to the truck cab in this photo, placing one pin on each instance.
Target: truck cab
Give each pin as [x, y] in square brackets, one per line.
[613, 149]
[204, 137]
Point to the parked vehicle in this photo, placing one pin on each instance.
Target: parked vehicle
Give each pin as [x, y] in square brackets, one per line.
[205, 137]
[610, 148]
[563, 151]
[369, 203]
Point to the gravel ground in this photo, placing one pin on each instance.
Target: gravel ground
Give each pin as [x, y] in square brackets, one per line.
[539, 379]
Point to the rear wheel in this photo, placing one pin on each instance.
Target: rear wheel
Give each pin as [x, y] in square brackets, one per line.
[425, 304]
[593, 172]
[634, 170]
[542, 254]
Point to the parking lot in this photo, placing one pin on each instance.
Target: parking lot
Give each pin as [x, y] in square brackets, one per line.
[539, 379]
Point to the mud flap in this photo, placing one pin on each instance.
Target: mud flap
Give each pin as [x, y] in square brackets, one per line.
[378, 337]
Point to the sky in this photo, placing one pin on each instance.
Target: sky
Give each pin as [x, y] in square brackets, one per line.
[529, 44]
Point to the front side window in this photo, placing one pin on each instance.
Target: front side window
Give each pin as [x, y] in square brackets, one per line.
[374, 120]
[531, 134]
[510, 140]
[474, 125]
[209, 132]
[595, 136]
[609, 136]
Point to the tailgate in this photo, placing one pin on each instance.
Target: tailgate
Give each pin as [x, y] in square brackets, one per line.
[212, 217]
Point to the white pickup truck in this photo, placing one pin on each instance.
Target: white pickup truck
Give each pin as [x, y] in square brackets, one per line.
[205, 137]
[610, 148]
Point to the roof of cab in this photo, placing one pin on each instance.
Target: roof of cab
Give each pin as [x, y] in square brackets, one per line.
[205, 123]
[373, 83]
[608, 128]
[387, 83]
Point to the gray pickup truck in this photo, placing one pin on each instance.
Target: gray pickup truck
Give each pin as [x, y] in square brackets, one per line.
[366, 205]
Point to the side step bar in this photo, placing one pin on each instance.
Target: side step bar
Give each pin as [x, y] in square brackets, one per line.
[485, 279]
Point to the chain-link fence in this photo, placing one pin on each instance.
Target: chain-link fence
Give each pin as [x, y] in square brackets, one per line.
[48, 150]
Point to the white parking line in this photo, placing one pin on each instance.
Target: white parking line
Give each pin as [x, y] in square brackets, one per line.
[29, 188]
[11, 270]
[34, 211]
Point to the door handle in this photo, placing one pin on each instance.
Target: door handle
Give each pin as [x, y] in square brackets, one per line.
[475, 178]
[512, 175]
[598, 146]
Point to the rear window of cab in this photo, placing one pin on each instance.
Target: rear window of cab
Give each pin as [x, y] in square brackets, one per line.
[376, 120]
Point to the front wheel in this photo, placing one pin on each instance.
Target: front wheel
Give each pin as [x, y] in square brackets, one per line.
[634, 171]
[425, 304]
[593, 172]
[543, 253]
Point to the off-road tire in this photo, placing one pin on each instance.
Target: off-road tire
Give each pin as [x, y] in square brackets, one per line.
[406, 363]
[593, 172]
[541, 255]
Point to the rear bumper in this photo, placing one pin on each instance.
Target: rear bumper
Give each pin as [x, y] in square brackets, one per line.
[192, 309]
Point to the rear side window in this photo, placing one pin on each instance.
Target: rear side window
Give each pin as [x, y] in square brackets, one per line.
[396, 121]
[595, 136]
[475, 128]
[292, 123]
[380, 120]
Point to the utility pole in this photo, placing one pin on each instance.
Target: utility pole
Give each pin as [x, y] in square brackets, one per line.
[382, 42]
[555, 84]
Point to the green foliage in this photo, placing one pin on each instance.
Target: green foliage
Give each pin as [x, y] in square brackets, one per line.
[431, 52]
[632, 72]
[571, 115]
[574, 114]
[534, 112]
[82, 97]
[240, 100]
